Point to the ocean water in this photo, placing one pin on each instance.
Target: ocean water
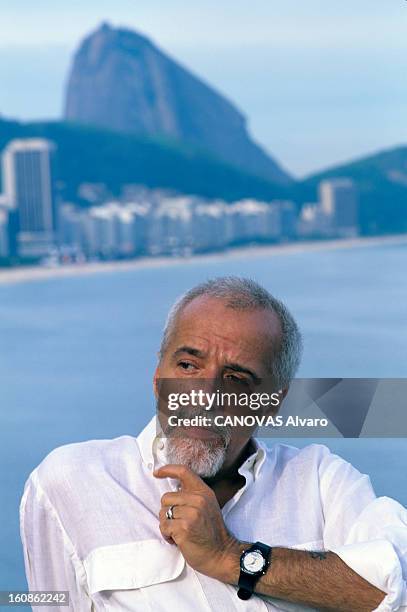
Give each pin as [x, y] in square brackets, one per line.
[77, 355]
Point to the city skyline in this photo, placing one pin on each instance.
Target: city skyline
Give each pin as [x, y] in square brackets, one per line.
[334, 77]
[142, 221]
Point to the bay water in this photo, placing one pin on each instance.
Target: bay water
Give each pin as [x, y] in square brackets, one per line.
[77, 355]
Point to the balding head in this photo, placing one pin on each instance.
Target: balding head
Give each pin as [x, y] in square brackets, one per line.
[246, 295]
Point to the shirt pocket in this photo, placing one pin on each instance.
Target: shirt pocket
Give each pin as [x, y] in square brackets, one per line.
[133, 565]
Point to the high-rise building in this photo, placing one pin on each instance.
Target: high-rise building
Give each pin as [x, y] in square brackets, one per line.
[4, 248]
[288, 219]
[8, 230]
[28, 186]
[339, 202]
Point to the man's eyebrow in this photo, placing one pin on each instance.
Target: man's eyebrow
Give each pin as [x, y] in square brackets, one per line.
[190, 350]
[236, 367]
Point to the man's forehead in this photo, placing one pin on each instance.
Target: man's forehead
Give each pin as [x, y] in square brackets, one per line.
[210, 320]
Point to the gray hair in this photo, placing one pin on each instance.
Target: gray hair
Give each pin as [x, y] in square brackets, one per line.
[246, 294]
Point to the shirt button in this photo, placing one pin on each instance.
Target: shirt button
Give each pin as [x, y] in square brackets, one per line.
[161, 445]
[150, 466]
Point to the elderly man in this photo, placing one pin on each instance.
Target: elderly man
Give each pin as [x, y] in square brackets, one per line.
[213, 519]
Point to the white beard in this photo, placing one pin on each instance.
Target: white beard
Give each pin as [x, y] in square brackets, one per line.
[203, 457]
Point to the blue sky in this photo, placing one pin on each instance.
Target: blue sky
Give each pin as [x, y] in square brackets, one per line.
[321, 81]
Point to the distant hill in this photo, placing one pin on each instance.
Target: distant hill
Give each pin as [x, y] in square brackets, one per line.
[91, 154]
[96, 155]
[382, 184]
[120, 80]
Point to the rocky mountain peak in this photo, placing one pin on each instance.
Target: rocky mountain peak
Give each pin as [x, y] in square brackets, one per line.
[120, 80]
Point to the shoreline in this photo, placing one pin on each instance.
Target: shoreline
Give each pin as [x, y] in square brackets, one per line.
[37, 273]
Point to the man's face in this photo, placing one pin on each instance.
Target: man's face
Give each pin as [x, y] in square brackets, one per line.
[216, 343]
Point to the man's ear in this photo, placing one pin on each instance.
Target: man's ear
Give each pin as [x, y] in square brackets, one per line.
[283, 393]
[155, 380]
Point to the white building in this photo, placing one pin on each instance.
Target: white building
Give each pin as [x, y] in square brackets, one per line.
[208, 226]
[28, 188]
[4, 248]
[170, 229]
[339, 203]
[105, 224]
[110, 230]
[141, 214]
[308, 225]
[253, 221]
[247, 220]
[314, 223]
[275, 221]
[73, 230]
[288, 218]
[173, 225]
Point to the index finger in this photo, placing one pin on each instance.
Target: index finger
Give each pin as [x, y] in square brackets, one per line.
[188, 478]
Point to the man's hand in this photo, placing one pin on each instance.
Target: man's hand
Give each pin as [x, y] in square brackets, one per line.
[197, 528]
[318, 580]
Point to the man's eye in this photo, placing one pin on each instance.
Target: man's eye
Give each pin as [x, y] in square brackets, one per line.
[186, 365]
[237, 379]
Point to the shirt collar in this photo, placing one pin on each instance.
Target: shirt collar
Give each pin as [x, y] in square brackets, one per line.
[255, 461]
[146, 439]
[151, 447]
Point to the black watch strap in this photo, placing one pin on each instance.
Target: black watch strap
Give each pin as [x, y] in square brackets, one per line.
[248, 581]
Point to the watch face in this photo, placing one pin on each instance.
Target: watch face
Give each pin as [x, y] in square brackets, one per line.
[253, 562]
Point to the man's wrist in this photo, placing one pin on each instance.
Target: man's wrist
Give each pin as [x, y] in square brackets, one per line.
[228, 569]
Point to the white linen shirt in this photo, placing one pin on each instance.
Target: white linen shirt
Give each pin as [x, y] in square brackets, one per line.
[89, 525]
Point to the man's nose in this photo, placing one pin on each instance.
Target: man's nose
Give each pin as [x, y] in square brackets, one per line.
[210, 380]
[211, 372]
[209, 384]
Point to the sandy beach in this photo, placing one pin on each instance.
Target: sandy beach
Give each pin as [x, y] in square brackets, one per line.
[37, 273]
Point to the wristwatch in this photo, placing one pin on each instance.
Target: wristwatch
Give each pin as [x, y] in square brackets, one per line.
[253, 563]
